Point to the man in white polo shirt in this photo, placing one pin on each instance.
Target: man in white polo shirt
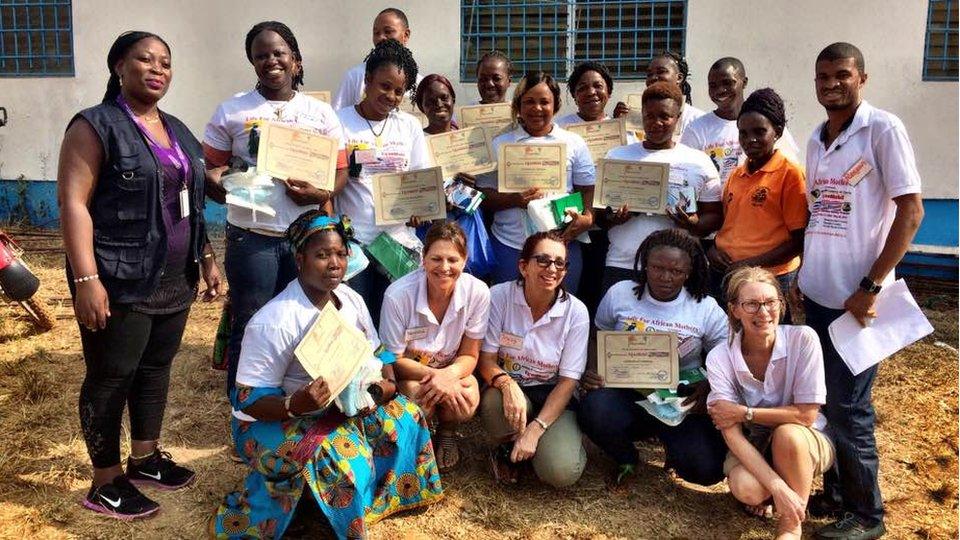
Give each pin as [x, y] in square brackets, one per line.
[865, 207]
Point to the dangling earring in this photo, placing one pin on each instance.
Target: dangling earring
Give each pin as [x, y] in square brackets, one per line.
[120, 78]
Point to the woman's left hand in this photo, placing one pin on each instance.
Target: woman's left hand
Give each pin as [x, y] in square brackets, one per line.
[440, 385]
[726, 414]
[580, 224]
[526, 445]
[682, 219]
[213, 279]
[304, 193]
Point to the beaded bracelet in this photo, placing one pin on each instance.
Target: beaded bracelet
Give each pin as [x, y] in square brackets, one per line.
[84, 279]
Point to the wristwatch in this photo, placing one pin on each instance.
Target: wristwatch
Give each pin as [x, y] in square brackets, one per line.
[749, 416]
[286, 406]
[868, 286]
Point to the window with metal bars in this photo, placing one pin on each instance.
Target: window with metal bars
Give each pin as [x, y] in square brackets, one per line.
[36, 38]
[940, 50]
[555, 35]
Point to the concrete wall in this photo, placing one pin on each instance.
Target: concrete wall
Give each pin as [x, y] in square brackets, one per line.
[777, 40]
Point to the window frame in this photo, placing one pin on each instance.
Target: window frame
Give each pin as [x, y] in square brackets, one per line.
[23, 62]
[948, 31]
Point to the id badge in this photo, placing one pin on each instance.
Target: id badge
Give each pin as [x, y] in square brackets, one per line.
[366, 156]
[184, 203]
[414, 334]
[511, 341]
[857, 172]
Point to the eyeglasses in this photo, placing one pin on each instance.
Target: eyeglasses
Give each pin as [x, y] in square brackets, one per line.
[753, 306]
[544, 261]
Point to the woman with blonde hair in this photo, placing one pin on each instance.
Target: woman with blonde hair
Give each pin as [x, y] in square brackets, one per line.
[766, 389]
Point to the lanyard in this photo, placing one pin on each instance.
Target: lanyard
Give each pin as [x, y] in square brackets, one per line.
[180, 160]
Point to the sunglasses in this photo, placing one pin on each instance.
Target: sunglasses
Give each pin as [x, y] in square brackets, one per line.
[544, 261]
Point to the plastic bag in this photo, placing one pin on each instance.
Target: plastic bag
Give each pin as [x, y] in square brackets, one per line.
[393, 258]
[355, 397]
[358, 261]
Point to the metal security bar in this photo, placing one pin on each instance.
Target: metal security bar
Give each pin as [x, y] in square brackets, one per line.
[940, 51]
[36, 38]
[554, 35]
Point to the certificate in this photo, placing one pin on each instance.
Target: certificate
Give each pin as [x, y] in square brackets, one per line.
[638, 359]
[322, 95]
[289, 152]
[333, 349]
[494, 118]
[641, 185]
[525, 166]
[601, 136]
[462, 151]
[633, 121]
[397, 196]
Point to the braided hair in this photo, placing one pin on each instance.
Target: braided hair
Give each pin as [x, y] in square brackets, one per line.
[767, 102]
[391, 52]
[582, 68]
[287, 35]
[697, 283]
[684, 70]
[118, 50]
[495, 55]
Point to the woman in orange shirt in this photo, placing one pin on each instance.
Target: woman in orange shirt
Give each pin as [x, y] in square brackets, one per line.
[764, 200]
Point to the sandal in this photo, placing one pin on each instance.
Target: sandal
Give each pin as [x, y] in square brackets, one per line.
[446, 449]
[504, 471]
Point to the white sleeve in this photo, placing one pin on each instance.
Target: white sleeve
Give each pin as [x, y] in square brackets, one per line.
[606, 317]
[809, 381]
[717, 328]
[419, 158]
[788, 146]
[479, 313]
[896, 161]
[691, 138]
[573, 358]
[712, 189]
[215, 134]
[336, 128]
[498, 302]
[265, 354]
[346, 95]
[392, 325]
[584, 171]
[723, 381]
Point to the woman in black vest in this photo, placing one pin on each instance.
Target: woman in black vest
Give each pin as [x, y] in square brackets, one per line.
[131, 192]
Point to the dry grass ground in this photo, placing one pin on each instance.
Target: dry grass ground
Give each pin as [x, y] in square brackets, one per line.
[44, 469]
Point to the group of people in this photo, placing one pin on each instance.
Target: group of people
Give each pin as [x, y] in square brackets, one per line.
[749, 238]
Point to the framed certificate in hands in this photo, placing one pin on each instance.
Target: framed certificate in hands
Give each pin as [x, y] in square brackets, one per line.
[333, 349]
[288, 152]
[398, 196]
[641, 185]
[525, 166]
[638, 359]
[462, 151]
[600, 136]
[322, 95]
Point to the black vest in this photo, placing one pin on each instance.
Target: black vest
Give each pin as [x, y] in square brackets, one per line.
[129, 237]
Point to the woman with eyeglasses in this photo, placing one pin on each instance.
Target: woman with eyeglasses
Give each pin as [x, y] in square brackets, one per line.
[531, 359]
[767, 387]
[667, 294]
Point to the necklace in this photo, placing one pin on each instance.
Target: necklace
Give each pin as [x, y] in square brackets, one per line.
[376, 136]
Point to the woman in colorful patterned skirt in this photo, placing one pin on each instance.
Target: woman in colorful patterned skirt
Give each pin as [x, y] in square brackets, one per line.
[359, 468]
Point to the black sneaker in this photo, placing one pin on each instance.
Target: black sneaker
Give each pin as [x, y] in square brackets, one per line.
[121, 500]
[850, 528]
[821, 506]
[160, 471]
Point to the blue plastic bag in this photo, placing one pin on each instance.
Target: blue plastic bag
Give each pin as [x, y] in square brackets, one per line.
[480, 261]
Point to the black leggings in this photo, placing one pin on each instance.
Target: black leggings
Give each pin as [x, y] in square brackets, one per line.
[128, 361]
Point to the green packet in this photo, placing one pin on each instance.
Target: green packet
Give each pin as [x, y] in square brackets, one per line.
[560, 205]
[688, 376]
[395, 259]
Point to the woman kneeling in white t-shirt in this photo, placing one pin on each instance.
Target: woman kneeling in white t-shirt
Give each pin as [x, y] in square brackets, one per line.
[434, 320]
[531, 360]
[667, 294]
[767, 386]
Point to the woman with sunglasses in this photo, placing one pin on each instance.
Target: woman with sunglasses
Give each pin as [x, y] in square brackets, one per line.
[767, 387]
[531, 359]
[667, 294]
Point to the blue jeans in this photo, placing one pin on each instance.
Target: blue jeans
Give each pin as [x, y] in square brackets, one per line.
[695, 449]
[506, 264]
[852, 482]
[258, 268]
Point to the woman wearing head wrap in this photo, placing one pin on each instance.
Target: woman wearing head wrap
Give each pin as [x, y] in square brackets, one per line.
[130, 186]
[359, 466]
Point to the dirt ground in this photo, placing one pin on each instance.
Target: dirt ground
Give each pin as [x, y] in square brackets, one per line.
[44, 470]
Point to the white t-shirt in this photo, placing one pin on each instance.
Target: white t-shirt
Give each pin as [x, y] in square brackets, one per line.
[272, 335]
[350, 91]
[794, 375]
[402, 148]
[720, 139]
[700, 326]
[509, 226]
[688, 114]
[537, 352]
[849, 223]
[692, 177]
[408, 327]
[229, 131]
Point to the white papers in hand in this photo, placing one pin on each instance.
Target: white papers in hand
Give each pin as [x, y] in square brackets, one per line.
[899, 323]
[333, 349]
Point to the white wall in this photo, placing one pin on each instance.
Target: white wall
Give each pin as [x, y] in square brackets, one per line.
[777, 40]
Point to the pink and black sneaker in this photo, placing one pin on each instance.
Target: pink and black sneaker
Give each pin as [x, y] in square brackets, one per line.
[121, 500]
[159, 471]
